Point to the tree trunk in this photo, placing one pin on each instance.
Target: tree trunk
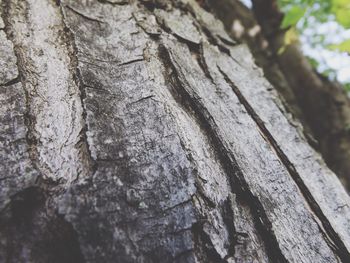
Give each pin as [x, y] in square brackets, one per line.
[140, 132]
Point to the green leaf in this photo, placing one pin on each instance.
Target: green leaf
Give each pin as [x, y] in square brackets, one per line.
[342, 47]
[292, 17]
[291, 36]
[314, 63]
[341, 9]
[329, 73]
[343, 17]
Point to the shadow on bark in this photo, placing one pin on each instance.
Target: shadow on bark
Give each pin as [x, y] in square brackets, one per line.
[32, 232]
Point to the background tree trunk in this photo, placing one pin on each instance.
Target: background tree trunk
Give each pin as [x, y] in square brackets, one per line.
[140, 132]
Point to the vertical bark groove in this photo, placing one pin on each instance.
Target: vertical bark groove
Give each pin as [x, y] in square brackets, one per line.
[198, 86]
[184, 102]
[58, 109]
[74, 64]
[303, 158]
[336, 241]
[237, 182]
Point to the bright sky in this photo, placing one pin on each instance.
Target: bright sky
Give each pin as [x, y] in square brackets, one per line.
[333, 34]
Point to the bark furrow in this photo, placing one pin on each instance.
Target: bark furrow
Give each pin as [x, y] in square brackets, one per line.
[329, 232]
[303, 163]
[199, 90]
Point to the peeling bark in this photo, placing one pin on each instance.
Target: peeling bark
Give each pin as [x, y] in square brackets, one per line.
[145, 134]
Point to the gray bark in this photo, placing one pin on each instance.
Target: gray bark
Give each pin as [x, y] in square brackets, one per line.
[322, 106]
[140, 132]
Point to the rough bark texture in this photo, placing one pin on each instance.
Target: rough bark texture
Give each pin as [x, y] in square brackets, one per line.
[323, 107]
[140, 132]
[242, 26]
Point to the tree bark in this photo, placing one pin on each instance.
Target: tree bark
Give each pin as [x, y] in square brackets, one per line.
[322, 106]
[141, 132]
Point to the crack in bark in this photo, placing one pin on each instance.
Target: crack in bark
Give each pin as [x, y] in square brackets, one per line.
[28, 118]
[203, 240]
[197, 52]
[214, 39]
[131, 61]
[79, 82]
[142, 99]
[11, 82]
[228, 217]
[94, 19]
[228, 161]
[333, 237]
[114, 2]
